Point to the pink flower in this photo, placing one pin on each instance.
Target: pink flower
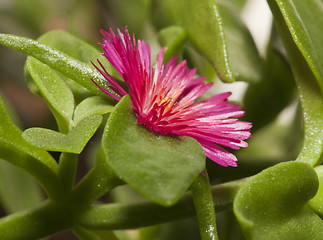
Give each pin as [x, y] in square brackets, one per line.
[163, 98]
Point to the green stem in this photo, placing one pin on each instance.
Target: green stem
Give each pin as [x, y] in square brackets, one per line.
[120, 216]
[67, 170]
[204, 207]
[44, 220]
[95, 184]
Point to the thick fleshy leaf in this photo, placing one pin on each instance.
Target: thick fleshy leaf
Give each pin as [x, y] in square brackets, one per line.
[73, 142]
[18, 190]
[91, 106]
[71, 45]
[173, 38]
[78, 49]
[159, 167]
[317, 202]
[273, 93]
[71, 67]
[304, 22]
[310, 94]
[35, 161]
[54, 90]
[216, 30]
[244, 58]
[272, 205]
[203, 23]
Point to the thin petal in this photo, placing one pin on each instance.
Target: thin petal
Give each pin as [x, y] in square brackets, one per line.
[164, 98]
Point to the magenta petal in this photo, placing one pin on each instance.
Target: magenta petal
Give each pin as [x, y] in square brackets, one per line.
[163, 98]
[220, 156]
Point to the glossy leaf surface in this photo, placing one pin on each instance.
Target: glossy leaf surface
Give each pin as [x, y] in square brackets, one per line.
[226, 42]
[78, 49]
[91, 106]
[244, 58]
[304, 22]
[272, 204]
[73, 142]
[159, 167]
[71, 45]
[199, 18]
[54, 90]
[77, 70]
[310, 94]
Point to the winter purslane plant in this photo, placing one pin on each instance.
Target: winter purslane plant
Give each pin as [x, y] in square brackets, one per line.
[159, 131]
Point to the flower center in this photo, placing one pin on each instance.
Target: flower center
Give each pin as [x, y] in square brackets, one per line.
[165, 103]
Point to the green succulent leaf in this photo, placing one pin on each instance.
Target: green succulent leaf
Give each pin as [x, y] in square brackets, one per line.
[306, 74]
[82, 51]
[71, 45]
[72, 142]
[35, 161]
[244, 58]
[199, 18]
[304, 22]
[273, 93]
[216, 30]
[157, 166]
[173, 38]
[76, 48]
[272, 205]
[316, 203]
[54, 90]
[91, 106]
[71, 67]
